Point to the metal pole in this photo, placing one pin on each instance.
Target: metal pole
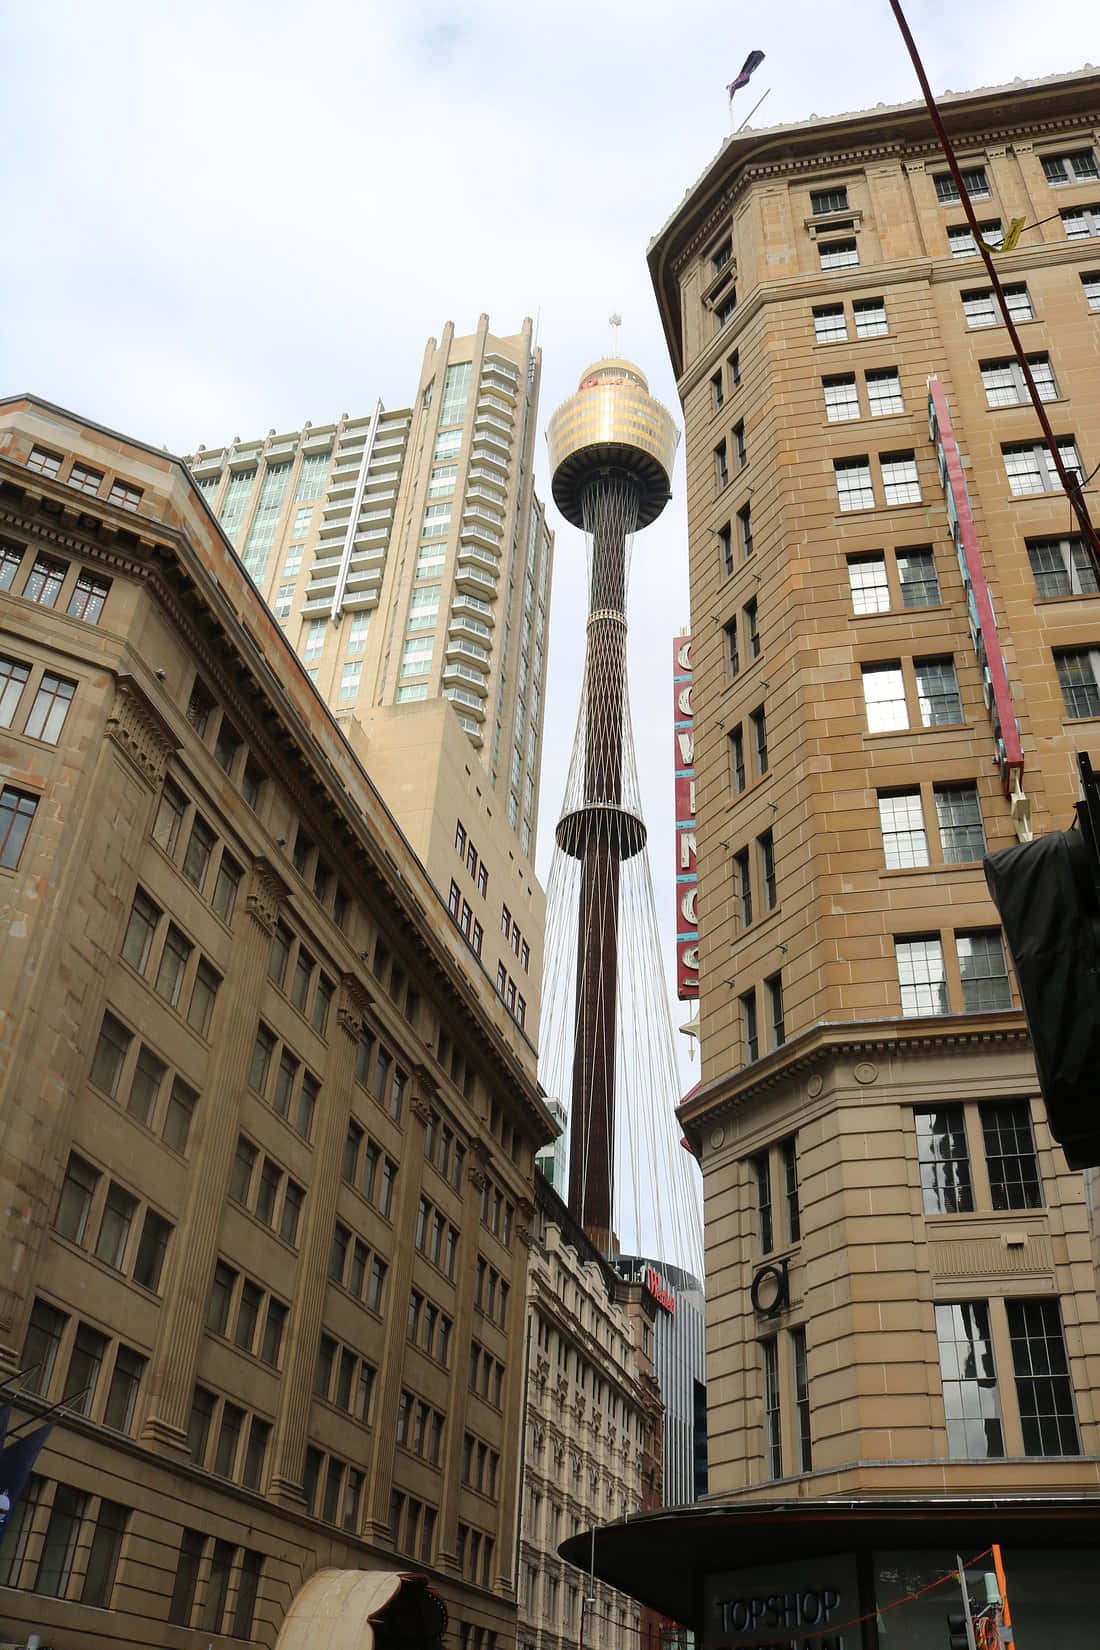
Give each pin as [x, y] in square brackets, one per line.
[752, 111]
[1072, 488]
[970, 1639]
[1008, 1637]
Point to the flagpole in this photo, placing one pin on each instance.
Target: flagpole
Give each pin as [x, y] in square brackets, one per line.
[751, 112]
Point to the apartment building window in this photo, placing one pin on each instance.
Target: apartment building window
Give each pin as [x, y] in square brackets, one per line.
[726, 308]
[983, 970]
[868, 583]
[944, 1161]
[773, 985]
[1030, 467]
[1043, 1388]
[739, 444]
[44, 583]
[901, 818]
[884, 696]
[773, 1446]
[789, 1161]
[765, 1225]
[959, 817]
[921, 975]
[46, 463]
[982, 307]
[1081, 222]
[917, 577]
[802, 1399]
[766, 847]
[841, 397]
[884, 392]
[900, 480]
[1078, 676]
[975, 182]
[129, 498]
[17, 809]
[721, 255]
[843, 254]
[88, 597]
[1062, 567]
[870, 318]
[970, 1399]
[830, 326]
[749, 1031]
[717, 390]
[760, 740]
[734, 368]
[721, 466]
[1078, 166]
[11, 557]
[1014, 1181]
[961, 242]
[737, 759]
[1090, 284]
[854, 489]
[743, 885]
[49, 708]
[937, 692]
[725, 548]
[1004, 383]
[733, 649]
[744, 528]
[823, 201]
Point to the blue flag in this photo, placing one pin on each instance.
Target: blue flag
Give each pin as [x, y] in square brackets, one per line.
[15, 1468]
[751, 63]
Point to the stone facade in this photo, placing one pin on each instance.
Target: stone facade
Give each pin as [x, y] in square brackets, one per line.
[868, 1118]
[592, 1438]
[265, 1134]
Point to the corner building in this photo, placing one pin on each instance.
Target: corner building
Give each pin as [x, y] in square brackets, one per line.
[868, 1118]
[267, 1139]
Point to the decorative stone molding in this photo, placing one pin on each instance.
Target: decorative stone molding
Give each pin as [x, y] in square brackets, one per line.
[352, 1006]
[140, 731]
[420, 1110]
[425, 1080]
[477, 1178]
[266, 893]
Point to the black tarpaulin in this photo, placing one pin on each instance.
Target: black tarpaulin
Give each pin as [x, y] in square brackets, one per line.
[1046, 892]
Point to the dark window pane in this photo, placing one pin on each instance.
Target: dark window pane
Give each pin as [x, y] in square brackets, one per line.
[944, 1161]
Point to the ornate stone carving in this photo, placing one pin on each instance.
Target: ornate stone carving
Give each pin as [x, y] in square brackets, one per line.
[266, 893]
[477, 1178]
[865, 1072]
[352, 1005]
[140, 731]
[814, 1085]
[420, 1110]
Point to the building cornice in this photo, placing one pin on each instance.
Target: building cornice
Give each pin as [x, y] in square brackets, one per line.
[804, 1056]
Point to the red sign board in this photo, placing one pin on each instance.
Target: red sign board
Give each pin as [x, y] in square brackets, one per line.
[687, 921]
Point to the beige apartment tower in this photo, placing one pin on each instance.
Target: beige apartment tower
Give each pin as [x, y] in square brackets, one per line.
[266, 1138]
[901, 1291]
[408, 560]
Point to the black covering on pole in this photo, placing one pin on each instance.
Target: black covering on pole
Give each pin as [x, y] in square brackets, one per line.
[1048, 894]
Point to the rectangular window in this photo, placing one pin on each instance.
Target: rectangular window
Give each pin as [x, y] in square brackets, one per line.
[84, 479]
[85, 1364]
[721, 466]
[717, 391]
[734, 368]
[870, 317]
[766, 847]
[974, 181]
[802, 1399]
[226, 885]
[884, 392]
[46, 463]
[760, 740]
[853, 484]
[773, 1449]
[1062, 567]
[45, 581]
[828, 200]
[789, 1158]
[55, 1567]
[884, 696]
[749, 1031]
[739, 447]
[88, 597]
[1010, 1156]
[123, 1390]
[900, 480]
[118, 1216]
[961, 242]
[868, 583]
[841, 397]
[829, 324]
[1078, 677]
[177, 1118]
[901, 817]
[944, 1161]
[938, 692]
[1004, 384]
[173, 964]
[138, 940]
[982, 307]
[1079, 166]
[725, 554]
[971, 1406]
[13, 678]
[1030, 467]
[1043, 1388]
[743, 885]
[77, 1192]
[838, 254]
[921, 976]
[152, 1248]
[17, 809]
[773, 985]
[744, 528]
[959, 816]
[920, 585]
[200, 849]
[726, 307]
[1090, 284]
[103, 1554]
[984, 971]
[733, 651]
[737, 759]
[750, 614]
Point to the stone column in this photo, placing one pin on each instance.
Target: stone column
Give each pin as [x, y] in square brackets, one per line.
[300, 1355]
[195, 1245]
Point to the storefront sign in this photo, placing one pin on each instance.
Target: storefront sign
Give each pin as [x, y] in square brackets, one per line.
[778, 1603]
[664, 1297]
[687, 892]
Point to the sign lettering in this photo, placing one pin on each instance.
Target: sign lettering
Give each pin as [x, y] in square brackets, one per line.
[687, 915]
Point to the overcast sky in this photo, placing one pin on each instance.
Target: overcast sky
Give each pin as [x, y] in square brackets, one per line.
[221, 218]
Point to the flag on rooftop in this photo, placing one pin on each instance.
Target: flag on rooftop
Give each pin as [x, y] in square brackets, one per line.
[752, 62]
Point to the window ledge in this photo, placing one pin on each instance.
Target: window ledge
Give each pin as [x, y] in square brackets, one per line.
[1070, 596]
[886, 509]
[991, 326]
[936, 868]
[933, 608]
[872, 338]
[1026, 406]
[753, 785]
[866, 419]
[921, 732]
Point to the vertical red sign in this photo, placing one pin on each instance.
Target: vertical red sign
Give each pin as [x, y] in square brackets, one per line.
[687, 922]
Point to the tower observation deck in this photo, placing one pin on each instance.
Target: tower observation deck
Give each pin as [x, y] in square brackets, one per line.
[612, 448]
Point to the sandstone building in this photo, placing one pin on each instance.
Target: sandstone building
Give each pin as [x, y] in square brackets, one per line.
[901, 1301]
[266, 1138]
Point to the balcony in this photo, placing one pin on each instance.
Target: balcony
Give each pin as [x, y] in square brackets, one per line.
[464, 626]
[497, 381]
[458, 648]
[485, 421]
[473, 607]
[476, 555]
[490, 449]
[471, 578]
[493, 499]
[462, 696]
[476, 474]
[480, 534]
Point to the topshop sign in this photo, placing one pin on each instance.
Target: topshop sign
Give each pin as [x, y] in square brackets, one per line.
[775, 1604]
